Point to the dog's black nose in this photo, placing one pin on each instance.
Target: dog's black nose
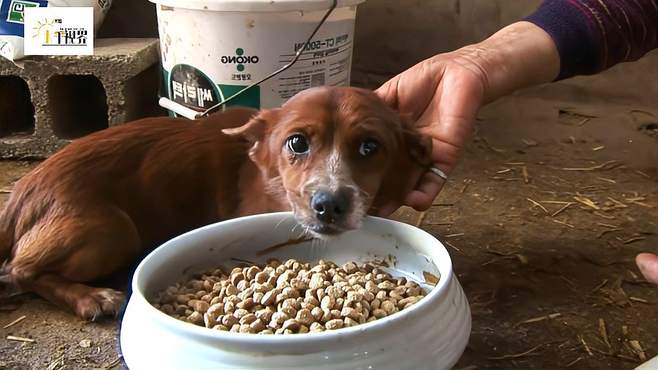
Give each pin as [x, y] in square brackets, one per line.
[330, 207]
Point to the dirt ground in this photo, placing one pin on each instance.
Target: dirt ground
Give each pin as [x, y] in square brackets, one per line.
[543, 217]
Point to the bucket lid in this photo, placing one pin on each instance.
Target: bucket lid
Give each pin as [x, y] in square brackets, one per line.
[256, 5]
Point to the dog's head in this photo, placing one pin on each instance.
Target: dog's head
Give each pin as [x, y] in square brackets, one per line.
[335, 154]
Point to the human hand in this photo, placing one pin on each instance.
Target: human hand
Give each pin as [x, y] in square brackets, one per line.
[648, 265]
[443, 94]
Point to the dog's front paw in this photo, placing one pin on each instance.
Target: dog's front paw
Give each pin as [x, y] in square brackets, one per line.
[99, 303]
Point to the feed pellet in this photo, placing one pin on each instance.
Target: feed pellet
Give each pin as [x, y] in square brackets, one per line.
[289, 298]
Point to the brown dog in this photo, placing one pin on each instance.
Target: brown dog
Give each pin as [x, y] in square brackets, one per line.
[102, 202]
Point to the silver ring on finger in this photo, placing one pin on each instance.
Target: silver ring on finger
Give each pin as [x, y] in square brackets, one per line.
[439, 173]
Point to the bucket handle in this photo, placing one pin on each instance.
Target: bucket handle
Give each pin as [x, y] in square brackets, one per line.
[192, 114]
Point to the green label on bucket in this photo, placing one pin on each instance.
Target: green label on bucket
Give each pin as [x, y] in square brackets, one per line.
[192, 88]
[249, 98]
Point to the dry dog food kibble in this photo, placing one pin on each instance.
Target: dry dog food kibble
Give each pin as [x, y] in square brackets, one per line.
[289, 298]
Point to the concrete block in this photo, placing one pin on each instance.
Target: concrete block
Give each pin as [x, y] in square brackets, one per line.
[55, 99]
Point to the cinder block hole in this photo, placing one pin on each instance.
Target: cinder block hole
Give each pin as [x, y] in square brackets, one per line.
[78, 105]
[16, 109]
[141, 95]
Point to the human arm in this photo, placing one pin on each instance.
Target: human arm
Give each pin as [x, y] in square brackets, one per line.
[561, 39]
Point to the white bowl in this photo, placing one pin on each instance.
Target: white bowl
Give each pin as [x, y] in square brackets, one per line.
[431, 334]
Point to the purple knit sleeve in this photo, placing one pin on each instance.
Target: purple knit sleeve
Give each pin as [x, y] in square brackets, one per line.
[594, 35]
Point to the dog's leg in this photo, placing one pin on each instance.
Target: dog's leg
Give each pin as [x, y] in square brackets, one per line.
[87, 302]
[64, 251]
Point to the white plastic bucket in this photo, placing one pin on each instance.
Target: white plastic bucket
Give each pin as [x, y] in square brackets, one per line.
[211, 49]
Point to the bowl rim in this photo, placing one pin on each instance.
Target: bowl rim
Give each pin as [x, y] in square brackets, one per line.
[306, 339]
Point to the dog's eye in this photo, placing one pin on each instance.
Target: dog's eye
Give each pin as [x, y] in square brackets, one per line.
[297, 144]
[368, 147]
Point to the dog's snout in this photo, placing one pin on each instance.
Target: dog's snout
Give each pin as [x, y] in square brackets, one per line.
[330, 207]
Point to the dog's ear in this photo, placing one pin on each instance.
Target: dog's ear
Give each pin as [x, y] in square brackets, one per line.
[420, 147]
[396, 183]
[418, 144]
[255, 129]
[255, 132]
